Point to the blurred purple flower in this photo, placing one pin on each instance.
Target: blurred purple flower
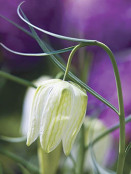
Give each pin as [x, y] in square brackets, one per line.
[105, 21]
[42, 13]
[102, 80]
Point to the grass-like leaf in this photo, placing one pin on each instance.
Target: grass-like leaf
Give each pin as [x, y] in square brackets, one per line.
[38, 54]
[50, 33]
[18, 26]
[33, 169]
[16, 79]
[31, 35]
[12, 140]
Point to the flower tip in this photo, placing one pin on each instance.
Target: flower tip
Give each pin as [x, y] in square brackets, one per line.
[45, 148]
[67, 153]
[28, 143]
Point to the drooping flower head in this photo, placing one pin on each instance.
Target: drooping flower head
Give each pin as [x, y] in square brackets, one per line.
[57, 114]
[51, 159]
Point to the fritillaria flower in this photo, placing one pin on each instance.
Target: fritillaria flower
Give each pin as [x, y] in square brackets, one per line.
[52, 159]
[58, 111]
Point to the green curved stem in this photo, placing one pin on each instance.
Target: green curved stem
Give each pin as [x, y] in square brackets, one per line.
[81, 153]
[41, 158]
[12, 139]
[70, 59]
[121, 158]
[17, 79]
[59, 75]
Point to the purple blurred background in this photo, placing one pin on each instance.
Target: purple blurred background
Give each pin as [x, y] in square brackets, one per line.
[45, 14]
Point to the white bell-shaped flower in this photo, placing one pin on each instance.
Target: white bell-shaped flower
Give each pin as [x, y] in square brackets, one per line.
[57, 114]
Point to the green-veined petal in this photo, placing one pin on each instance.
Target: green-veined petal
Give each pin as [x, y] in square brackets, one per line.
[79, 104]
[39, 101]
[55, 116]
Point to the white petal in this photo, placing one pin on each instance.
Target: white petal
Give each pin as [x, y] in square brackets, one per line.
[28, 100]
[79, 104]
[55, 116]
[39, 101]
[27, 105]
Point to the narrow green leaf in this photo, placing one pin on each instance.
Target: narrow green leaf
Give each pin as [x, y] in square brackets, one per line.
[16, 79]
[50, 33]
[37, 54]
[33, 169]
[17, 25]
[12, 140]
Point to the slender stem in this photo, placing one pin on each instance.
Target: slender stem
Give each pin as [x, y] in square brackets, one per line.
[121, 158]
[70, 59]
[20, 160]
[16, 79]
[81, 152]
[49, 162]
[59, 75]
[41, 158]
